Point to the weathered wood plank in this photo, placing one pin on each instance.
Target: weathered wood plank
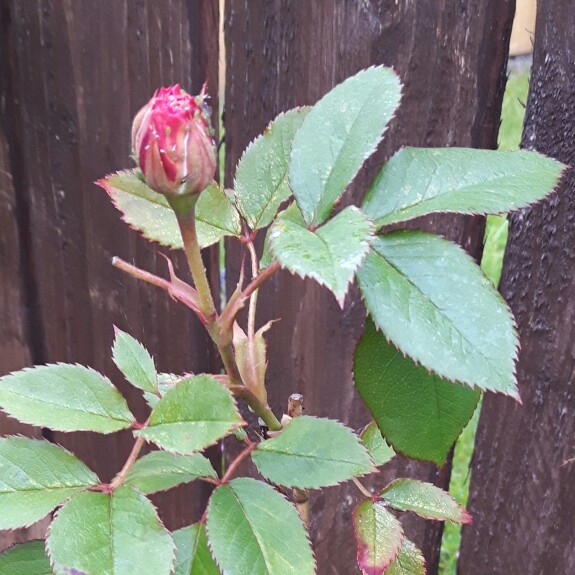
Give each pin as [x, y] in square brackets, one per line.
[521, 494]
[286, 53]
[80, 70]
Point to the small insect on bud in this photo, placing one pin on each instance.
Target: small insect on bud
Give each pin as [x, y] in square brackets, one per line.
[172, 140]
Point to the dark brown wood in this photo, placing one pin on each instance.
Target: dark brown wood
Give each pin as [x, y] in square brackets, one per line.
[75, 74]
[451, 57]
[522, 497]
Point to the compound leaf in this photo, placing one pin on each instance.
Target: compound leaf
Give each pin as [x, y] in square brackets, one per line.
[35, 477]
[134, 361]
[193, 415]
[434, 303]
[110, 534]
[253, 530]
[25, 559]
[261, 183]
[419, 181]
[311, 453]
[419, 414]
[64, 397]
[425, 499]
[340, 132]
[161, 470]
[378, 535]
[331, 254]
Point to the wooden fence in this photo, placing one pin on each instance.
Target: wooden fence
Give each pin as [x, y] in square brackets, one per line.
[73, 73]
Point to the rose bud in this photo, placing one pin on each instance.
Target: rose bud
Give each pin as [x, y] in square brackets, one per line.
[173, 144]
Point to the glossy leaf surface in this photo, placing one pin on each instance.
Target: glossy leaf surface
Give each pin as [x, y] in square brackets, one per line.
[374, 442]
[410, 561]
[330, 255]
[25, 559]
[253, 530]
[193, 555]
[64, 397]
[419, 181]
[312, 453]
[419, 414]
[192, 416]
[425, 499]
[103, 534]
[160, 470]
[149, 212]
[340, 132]
[35, 477]
[434, 303]
[261, 183]
[378, 535]
[134, 361]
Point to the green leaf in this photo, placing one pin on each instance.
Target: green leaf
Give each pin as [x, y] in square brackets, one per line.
[331, 254]
[434, 303]
[35, 477]
[380, 452]
[193, 556]
[342, 130]
[161, 470]
[311, 453]
[149, 212]
[419, 181]
[110, 534]
[253, 530]
[64, 397]
[261, 183]
[25, 559]
[192, 416]
[166, 381]
[378, 535]
[425, 499]
[410, 561]
[419, 414]
[134, 361]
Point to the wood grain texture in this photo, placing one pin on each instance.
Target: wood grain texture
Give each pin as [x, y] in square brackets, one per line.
[77, 73]
[285, 53]
[521, 495]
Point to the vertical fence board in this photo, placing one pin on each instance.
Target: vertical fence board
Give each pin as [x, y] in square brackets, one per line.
[285, 53]
[521, 494]
[78, 72]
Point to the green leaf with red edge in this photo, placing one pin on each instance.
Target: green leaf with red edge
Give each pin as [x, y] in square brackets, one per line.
[419, 181]
[430, 298]
[149, 212]
[378, 535]
[25, 559]
[311, 453]
[330, 254]
[35, 477]
[193, 415]
[115, 533]
[261, 182]
[134, 361]
[160, 470]
[410, 561]
[337, 136]
[418, 413]
[426, 500]
[380, 452]
[64, 397]
[253, 530]
[193, 555]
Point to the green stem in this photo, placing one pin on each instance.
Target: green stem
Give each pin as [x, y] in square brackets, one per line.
[185, 208]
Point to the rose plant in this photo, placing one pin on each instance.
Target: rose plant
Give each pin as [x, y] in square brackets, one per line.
[437, 333]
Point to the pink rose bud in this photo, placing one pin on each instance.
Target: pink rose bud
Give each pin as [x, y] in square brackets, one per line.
[172, 141]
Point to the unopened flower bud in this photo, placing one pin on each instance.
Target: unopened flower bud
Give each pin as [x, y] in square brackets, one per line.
[173, 144]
